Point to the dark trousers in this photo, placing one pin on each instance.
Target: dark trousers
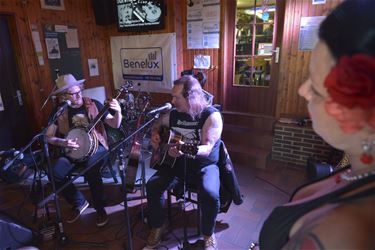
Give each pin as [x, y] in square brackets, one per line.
[205, 179]
[62, 169]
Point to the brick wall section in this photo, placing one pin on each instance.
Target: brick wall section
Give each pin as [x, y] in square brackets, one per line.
[295, 144]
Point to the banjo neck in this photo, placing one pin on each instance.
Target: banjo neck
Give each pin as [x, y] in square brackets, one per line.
[102, 111]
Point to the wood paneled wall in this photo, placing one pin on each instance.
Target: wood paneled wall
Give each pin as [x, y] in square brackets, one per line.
[94, 42]
[173, 23]
[176, 22]
[36, 79]
[294, 63]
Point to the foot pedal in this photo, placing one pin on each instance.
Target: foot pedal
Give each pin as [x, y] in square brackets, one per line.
[47, 232]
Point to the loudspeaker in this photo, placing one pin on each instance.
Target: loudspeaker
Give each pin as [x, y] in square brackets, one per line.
[12, 234]
[105, 11]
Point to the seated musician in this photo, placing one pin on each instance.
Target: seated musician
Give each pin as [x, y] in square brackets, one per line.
[195, 119]
[80, 113]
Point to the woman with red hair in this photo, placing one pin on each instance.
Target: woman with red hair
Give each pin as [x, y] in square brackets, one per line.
[337, 211]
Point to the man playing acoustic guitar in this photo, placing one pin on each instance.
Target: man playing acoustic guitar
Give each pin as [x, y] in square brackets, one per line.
[195, 120]
[78, 117]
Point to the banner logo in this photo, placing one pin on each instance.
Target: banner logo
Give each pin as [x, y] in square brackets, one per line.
[142, 63]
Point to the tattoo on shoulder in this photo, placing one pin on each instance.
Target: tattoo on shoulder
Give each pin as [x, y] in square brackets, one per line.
[306, 241]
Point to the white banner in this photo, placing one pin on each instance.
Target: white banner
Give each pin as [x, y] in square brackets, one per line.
[147, 60]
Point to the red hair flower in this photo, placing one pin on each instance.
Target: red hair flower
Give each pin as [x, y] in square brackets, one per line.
[351, 86]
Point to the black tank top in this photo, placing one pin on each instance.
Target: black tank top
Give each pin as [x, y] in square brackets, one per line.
[276, 228]
[191, 129]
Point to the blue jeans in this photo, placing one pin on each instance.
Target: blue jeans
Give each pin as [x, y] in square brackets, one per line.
[62, 169]
[205, 179]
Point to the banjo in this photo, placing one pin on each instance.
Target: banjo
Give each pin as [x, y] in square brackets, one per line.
[86, 137]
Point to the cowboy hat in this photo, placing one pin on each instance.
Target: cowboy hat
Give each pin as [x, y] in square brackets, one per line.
[64, 82]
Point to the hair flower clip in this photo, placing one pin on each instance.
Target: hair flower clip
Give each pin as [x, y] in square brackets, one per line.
[351, 86]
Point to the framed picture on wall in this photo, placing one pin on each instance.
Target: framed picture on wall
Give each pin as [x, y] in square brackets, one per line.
[52, 4]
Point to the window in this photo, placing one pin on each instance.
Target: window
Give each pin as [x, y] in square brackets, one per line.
[254, 34]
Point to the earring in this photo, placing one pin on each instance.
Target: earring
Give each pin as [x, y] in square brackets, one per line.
[366, 156]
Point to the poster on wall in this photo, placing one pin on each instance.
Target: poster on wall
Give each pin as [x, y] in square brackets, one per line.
[53, 48]
[93, 67]
[37, 43]
[203, 24]
[63, 50]
[308, 33]
[149, 61]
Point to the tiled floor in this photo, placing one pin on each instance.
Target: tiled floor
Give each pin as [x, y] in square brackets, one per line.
[236, 229]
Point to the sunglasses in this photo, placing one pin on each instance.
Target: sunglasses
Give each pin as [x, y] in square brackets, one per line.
[75, 94]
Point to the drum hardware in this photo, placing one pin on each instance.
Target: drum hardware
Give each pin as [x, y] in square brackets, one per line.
[132, 106]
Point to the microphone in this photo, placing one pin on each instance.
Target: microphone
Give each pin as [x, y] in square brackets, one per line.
[63, 106]
[165, 107]
[16, 155]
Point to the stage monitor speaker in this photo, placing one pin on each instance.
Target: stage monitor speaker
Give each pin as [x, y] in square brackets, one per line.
[105, 11]
[12, 234]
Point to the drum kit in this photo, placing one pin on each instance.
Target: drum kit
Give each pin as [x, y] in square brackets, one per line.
[132, 106]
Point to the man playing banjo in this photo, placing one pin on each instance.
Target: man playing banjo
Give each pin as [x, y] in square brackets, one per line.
[70, 134]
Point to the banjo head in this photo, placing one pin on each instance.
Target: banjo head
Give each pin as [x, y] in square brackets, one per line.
[85, 142]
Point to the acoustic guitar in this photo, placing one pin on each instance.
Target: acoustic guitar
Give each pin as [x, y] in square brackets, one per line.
[169, 138]
[135, 152]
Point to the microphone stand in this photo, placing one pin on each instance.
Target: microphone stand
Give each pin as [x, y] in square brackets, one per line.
[186, 244]
[122, 176]
[42, 136]
[115, 147]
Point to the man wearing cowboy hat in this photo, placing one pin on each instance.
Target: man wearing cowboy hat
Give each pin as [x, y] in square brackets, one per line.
[80, 113]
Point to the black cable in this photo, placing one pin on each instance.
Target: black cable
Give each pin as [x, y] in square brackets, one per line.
[98, 230]
[273, 185]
